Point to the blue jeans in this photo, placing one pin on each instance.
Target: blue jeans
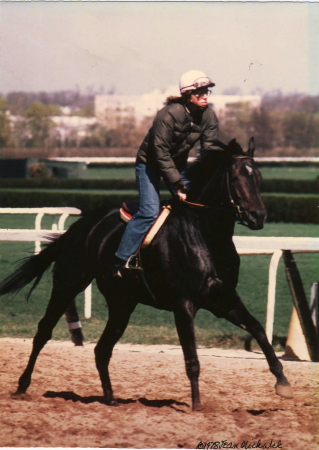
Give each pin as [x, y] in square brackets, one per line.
[148, 183]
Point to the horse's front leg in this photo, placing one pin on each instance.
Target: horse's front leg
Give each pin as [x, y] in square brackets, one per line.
[240, 316]
[184, 320]
[119, 316]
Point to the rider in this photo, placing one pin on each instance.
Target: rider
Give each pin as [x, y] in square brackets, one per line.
[164, 152]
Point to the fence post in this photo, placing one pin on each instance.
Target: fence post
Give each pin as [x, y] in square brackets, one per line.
[88, 301]
[272, 293]
[314, 305]
[301, 305]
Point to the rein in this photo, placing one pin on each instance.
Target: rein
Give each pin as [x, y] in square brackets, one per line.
[238, 211]
[234, 207]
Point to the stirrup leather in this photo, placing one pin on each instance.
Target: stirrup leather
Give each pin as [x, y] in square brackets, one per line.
[126, 216]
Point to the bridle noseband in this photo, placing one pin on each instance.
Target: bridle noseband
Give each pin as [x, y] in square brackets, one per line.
[239, 213]
[234, 207]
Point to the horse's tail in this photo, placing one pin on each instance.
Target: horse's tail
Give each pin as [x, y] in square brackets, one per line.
[32, 267]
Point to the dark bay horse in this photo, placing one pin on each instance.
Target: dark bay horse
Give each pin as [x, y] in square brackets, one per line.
[192, 263]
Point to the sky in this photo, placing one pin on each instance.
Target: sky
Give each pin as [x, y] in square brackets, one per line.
[137, 46]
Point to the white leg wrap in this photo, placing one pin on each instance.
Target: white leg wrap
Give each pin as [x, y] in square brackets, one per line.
[74, 325]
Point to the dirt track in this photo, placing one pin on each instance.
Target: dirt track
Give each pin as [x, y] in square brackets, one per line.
[64, 405]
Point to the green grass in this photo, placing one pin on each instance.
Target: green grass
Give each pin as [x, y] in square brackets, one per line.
[27, 221]
[148, 325]
[287, 173]
[290, 173]
[110, 173]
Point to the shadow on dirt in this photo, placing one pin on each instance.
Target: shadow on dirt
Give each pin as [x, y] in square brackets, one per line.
[69, 395]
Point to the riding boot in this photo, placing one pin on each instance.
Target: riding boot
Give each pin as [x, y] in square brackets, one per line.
[121, 266]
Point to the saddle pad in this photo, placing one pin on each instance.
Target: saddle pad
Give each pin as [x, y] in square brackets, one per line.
[125, 216]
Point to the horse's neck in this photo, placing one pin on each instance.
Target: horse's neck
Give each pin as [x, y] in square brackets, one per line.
[201, 173]
[212, 192]
[217, 225]
[214, 225]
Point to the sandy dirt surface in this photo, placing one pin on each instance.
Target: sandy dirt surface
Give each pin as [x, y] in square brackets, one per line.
[64, 405]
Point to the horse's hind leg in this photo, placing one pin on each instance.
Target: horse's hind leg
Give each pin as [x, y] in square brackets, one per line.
[60, 299]
[119, 316]
[240, 316]
[74, 324]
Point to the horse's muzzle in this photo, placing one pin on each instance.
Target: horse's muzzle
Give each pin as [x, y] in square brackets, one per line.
[256, 219]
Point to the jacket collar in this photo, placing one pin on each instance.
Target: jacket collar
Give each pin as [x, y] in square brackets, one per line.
[200, 111]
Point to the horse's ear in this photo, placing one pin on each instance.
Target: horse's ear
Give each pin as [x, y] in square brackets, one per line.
[234, 147]
[251, 147]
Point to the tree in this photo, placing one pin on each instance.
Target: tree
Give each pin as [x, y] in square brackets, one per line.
[299, 129]
[21, 133]
[235, 122]
[277, 135]
[86, 111]
[5, 125]
[54, 110]
[262, 131]
[40, 124]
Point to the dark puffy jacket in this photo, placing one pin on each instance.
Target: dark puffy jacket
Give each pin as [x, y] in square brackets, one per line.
[173, 134]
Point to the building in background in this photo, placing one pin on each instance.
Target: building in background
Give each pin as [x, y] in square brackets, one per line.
[68, 126]
[114, 110]
[225, 104]
[65, 126]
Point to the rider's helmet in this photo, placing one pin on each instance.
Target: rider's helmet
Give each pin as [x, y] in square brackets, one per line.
[192, 80]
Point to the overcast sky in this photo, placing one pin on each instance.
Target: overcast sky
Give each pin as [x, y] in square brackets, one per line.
[137, 47]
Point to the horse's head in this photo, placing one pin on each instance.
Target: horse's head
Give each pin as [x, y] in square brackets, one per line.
[242, 185]
[229, 181]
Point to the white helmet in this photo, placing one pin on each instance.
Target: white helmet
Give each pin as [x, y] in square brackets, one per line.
[194, 79]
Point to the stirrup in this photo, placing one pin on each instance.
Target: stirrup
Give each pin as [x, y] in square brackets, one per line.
[124, 267]
[133, 265]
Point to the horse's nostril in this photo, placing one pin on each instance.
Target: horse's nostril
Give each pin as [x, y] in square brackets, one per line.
[258, 214]
[254, 216]
[256, 219]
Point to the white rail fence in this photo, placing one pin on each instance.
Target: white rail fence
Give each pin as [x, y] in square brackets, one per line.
[13, 235]
[38, 235]
[251, 245]
[131, 160]
[245, 245]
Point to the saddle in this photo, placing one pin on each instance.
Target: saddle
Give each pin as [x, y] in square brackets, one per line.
[130, 207]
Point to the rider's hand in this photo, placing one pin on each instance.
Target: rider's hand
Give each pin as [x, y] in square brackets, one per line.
[181, 195]
[181, 190]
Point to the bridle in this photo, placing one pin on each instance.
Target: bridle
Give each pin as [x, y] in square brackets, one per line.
[235, 208]
[239, 213]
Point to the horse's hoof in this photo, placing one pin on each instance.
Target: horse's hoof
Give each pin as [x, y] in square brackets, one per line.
[77, 337]
[19, 391]
[20, 395]
[112, 402]
[77, 343]
[197, 407]
[284, 390]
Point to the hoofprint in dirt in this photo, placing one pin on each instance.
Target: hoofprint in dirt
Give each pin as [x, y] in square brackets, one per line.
[64, 406]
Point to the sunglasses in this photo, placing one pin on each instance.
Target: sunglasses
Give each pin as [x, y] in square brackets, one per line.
[201, 92]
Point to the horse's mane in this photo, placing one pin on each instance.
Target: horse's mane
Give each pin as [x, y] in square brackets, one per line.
[201, 171]
[204, 167]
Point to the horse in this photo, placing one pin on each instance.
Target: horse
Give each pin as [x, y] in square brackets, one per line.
[191, 263]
